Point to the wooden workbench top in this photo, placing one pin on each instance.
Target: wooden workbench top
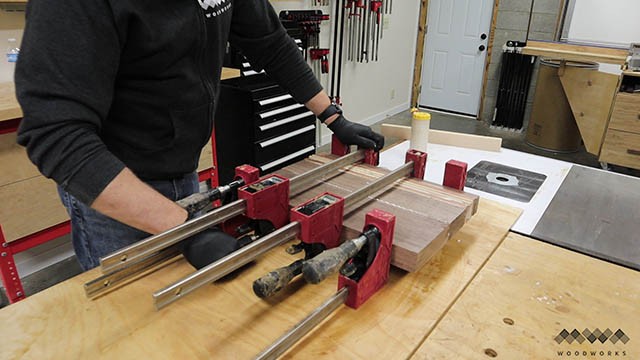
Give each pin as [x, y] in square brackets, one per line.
[527, 294]
[9, 107]
[226, 320]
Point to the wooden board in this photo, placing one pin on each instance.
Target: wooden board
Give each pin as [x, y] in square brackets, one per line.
[13, 157]
[29, 206]
[426, 214]
[487, 143]
[226, 320]
[590, 94]
[626, 113]
[530, 291]
[417, 69]
[206, 157]
[9, 107]
[621, 148]
[574, 52]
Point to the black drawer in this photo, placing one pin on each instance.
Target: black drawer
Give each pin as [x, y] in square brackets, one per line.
[280, 113]
[272, 103]
[289, 159]
[284, 126]
[277, 147]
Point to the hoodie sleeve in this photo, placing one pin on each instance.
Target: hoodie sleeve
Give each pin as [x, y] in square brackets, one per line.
[257, 31]
[64, 83]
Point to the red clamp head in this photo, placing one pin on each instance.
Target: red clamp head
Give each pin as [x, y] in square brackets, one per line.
[267, 199]
[377, 273]
[320, 220]
[455, 174]
[247, 173]
[371, 157]
[338, 148]
[419, 159]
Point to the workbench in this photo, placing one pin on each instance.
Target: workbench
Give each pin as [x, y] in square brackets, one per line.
[482, 296]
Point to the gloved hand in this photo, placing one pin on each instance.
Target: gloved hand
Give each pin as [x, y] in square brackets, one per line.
[350, 133]
[208, 246]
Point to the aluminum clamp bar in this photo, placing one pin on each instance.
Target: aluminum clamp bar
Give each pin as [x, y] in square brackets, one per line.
[225, 265]
[286, 341]
[300, 182]
[357, 196]
[153, 244]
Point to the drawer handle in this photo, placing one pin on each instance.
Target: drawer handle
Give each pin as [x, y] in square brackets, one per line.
[280, 111]
[274, 100]
[633, 152]
[284, 137]
[285, 121]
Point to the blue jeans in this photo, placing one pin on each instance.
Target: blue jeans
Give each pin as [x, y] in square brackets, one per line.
[95, 235]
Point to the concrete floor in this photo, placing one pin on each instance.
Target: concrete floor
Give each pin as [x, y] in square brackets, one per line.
[510, 139]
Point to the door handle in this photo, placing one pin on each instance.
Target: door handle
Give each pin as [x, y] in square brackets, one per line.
[483, 36]
[481, 47]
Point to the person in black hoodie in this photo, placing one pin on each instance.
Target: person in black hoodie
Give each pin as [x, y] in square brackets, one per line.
[118, 99]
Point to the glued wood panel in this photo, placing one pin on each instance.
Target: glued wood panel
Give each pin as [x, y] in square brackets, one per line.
[426, 214]
[225, 320]
[526, 294]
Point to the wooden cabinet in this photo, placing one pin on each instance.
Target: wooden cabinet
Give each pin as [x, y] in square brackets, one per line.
[622, 140]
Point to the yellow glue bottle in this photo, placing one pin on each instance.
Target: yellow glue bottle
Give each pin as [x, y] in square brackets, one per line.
[420, 130]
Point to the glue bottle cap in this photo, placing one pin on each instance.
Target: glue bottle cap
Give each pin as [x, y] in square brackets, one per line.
[420, 115]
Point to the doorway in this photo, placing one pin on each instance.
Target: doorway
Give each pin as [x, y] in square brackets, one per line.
[455, 51]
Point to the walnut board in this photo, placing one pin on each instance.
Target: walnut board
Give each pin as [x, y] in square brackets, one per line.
[526, 294]
[225, 320]
[426, 214]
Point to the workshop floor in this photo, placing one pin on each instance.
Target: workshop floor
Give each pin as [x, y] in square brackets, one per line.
[511, 140]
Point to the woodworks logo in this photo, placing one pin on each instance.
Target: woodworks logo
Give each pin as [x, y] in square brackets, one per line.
[213, 8]
[598, 337]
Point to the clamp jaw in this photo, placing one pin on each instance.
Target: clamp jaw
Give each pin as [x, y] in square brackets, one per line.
[362, 285]
[267, 199]
[320, 223]
[371, 157]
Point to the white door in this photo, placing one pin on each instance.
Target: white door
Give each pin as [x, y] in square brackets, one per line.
[454, 54]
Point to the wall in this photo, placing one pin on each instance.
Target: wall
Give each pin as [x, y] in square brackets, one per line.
[511, 24]
[612, 22]
[372, 91]
[11, 26]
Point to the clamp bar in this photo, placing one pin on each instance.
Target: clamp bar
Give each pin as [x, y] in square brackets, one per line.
[115, 279]
[244, 255]
[286, 341]
[225, 265]
[144, 248]
[300, 182]
[357, 196]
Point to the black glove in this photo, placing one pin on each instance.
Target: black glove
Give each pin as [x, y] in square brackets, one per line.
[350, 133]
[208, 246]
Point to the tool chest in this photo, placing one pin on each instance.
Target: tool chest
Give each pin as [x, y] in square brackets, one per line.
[258, 123]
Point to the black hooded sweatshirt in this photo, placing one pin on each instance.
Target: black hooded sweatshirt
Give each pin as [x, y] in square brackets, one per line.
[105, 84]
